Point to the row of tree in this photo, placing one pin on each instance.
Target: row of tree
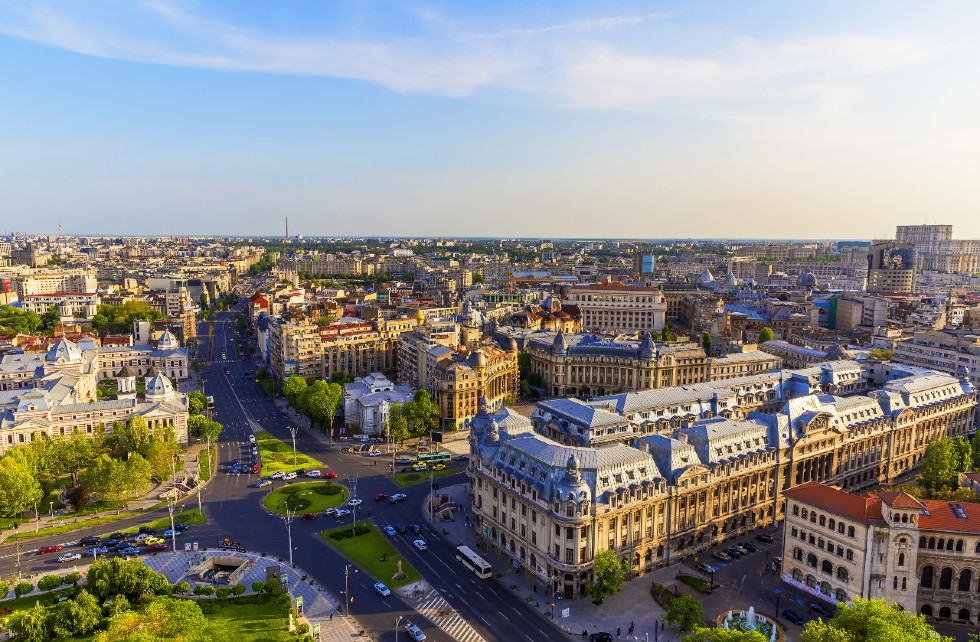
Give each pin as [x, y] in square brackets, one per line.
[118, 319]
[14, 320]
[318, 401]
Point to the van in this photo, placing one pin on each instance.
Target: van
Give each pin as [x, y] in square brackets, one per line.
[289, 476]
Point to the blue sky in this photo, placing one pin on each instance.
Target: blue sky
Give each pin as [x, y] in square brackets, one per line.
[628, 119]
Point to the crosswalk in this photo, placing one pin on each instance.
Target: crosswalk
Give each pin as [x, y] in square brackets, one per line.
[438, 611]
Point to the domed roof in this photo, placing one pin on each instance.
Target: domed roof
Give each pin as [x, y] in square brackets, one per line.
[64, 351]
[807, 280]
[478, 359]
[158, 387]
[167, 341]
[706, 276]
[419, 316]
[510, 344]
[730, 280]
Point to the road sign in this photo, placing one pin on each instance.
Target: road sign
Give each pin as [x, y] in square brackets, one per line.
[299, 606]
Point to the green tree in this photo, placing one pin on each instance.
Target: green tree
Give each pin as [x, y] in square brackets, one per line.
[135, 437]
[78, 616]
[340, 378]
[723, 635]
[422, 412]
[685, 612]
[160, 456]
[181, 588]
[197, 402]
[23, 588]
[113, 481]
[4, 589]
[293, 387]
[861, 620]
[223, 591]
[398, 423]
[51, 318]
[129, 578]
[706, 343]
[40, 457]
[19, 490]
[72, 578]
[766, 334]
[16, 321]
[881, 354]
[32, 625]
[609, 576]
[258, 586]
[962, 453]
[162, 619]
[75, 453]
[49, 583]
[238, 589]
[100, 323]
[939, 466]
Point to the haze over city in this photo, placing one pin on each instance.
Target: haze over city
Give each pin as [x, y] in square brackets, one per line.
[645, 120]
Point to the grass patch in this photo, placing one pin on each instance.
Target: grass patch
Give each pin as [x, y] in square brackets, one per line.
[696, 583]
[68, 528]
[251, 623]
[203, 470]
[408, 479]
[276, 455]
[367, 549]
[189, 517]
[305, 497]
[24, 603]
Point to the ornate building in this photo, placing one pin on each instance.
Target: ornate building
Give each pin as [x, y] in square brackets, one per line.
[612, 307]
[580, 477]
[458, 384]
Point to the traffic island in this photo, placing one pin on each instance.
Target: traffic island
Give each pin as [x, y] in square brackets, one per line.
[371, 551]
[305, 497]
[276, 455]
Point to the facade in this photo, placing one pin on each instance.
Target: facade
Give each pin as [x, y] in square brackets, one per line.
[952, 352]
[414, 348]
[367, 402]
[795, 356]
[358, 347]
[167, 358]
[922, 554]
[71, 305]
[855, 311]
[891, 267]
[742, 364]
[294, 348]
[937, 250]
[580, 477]
[457, 385]
[587, 365]
[612, 307]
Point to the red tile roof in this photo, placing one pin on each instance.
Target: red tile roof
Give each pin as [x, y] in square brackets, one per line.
[943, 516]
[834, 500]
[900, 500]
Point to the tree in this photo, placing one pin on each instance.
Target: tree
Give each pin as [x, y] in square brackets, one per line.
[137, 477]
[4, 589]
[197, 403]
[200, 427]
[258, 586]
[49, 583]
[398, 423]
[135, 436]
[32, 625]
[766, 334]
[51, 318]
[723, 635]
[75, 453]
[941, 463]
[706, 343]
[40, 457]
[18, 488]
[861, 620]
[129, 578]
[114, 481]
[422, 412]
[72, 578]
[685, 612]
[16, 321]
[78, 616]
[160, 456]
[204, 300]
[975, 452]
[23, 588]
[293, 387]
[881, 354]
[609, 576]
[162, 619]
[181, 588]
[340, 378]
[238, 589]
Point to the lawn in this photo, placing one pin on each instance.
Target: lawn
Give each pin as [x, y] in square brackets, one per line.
[305, 497]
[250, 623]
[697, 583]
[276, 455]
[368, 550]
[204, 472]
[189, 517]
[67, 528]
[408, 479]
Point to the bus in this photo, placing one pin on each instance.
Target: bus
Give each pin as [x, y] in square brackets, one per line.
[480, 567]
[435, 458]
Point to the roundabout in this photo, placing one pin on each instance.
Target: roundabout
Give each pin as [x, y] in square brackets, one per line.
[305, 497]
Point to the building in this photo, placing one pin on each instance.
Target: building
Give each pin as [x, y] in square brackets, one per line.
[856, 311]
[457, 385]
[294, 348]
[71, 305]
[742, 364]
[891, 268]
[414, 347]
[795, 356]
[579, 477]
[587, 365]
[937, 250]
[954, 352]
[612, 307]
[166, 357]
[922, 554]
[367, 403]
[358, 348]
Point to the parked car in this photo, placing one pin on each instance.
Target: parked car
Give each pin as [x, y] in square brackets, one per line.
[343, 512]
[159, 546]
[818, 608]
[722, 555]
[462, 458]
[420, 467]
[793, 617]
[750, 547]
[601, 636]
[403, 460]
[289, 476]
[390, 530]
[381, 589]
[397, 497]
[380, 497]
[146, 530]
[142, 537]
[767, 539]
[420, 544]
[374, 453]
[101, 550]
[330, 475]
[53, 548]
[734, 551]
[309, 516]
[110, 541]
[330, 511]
[414, 632]
[172, 533]
[314, 473]
[70, 557]
[89, 540]
[277, 475]
[181, 527]
[256, 469]
[129, 550]
[706, 568]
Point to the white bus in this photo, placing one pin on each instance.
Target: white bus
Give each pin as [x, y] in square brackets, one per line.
[480, 567]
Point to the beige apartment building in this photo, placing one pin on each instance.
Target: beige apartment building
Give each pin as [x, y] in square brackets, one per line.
[294, 348]
[955, 352]
[358, 347]
[458, 385]
[612, 307]
[576, 478]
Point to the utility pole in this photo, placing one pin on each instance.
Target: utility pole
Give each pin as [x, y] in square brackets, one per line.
[18, 559]
[172, 507]
[397, 622]
[347, 589]
[37, 519]
[292, 431]
[288, 519]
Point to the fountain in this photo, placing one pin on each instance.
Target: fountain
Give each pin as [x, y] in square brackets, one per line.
[749, 620]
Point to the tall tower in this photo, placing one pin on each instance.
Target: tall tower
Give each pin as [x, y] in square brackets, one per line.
[287, 227]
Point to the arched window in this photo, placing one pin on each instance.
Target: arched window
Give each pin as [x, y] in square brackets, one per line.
[966, 578]
[840, 528]
[825, 588]
[941, 543]
[922, 542]
[946, 578]
[826, 567]
[811, 581]
[841, 595]
[832, 524]
[949, 544]
[850, 555]
[926, 579]
[895, 583]
[959, 546]
[850, 531]
[796, 510]
[811, 560]
[901, 559]
[797, 553]
[932, 543]
[905, 583]
[823, 520]
[963, 615]
[805, 514]
[945, 613]
[842, 573]
[797, 575]
[926, 610]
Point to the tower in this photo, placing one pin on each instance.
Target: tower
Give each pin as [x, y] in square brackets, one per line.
[287, 227]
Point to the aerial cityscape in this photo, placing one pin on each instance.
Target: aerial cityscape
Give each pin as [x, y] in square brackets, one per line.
[473, 323]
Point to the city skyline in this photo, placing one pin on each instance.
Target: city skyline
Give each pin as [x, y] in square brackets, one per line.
[626, 120]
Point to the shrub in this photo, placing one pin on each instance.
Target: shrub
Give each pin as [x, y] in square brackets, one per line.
[199, 589]
[223, 591]
[23, 588]
[238, 589]
[329, 489]
[181, 588]
[258, 586]
[303, 629]
[4, 589]
[72, 578]
[49, 582]
[207, 590]
[273, 585]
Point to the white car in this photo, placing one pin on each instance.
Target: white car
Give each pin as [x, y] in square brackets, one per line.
[414, 632]
[374, 453]
[289, 476]
[381, 589]
[251, 438]
[353, 502]
[264, 483]
[343, 512]
[142, 537]
[70, 557]
[330, 511]
[314, 473]
[397, 497]
[277, 475]
[390, 530]
[420, 544]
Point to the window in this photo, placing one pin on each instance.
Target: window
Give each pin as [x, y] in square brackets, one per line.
[927, 575]
[966, 578]
[946, 578]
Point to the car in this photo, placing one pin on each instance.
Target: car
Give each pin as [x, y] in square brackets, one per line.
[764, 538]
[155, 540]
[159, 546]
[330, 511]
[117, 535]
[277, 475]
[330, 475]
[740, 548]
[439, 466]
[309, 516]
[289, 476]
[403, 460]
[414, 632]
[601, 636]
[706, 568]
[234, 469]
[420, 466]
[314, 473]
[110, 541]
[147, 530]
[401, 528]
[374, 453]
[90, 540]
[343, 512]
[380, 497]
[70, 557]
[129, 550]
[173, 533]
[264, 483]
[390, 530]
[256, 469]
[397, 497]
[181, 527]
[381, 589]
[353, 502]
[793, 617]
[126, 543]
[462, 458]
[750, 547]
[53, 548]
[734, 552]
[251, 438]
[420, 544]
[722, 555]
[142, 537]
[818, 608]
[97, 550]
[234, 461]
[415, 528]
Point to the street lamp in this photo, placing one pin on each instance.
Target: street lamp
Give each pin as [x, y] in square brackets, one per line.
[288, 519]
[37, 519]
[397, 622]
[171, 507]
[51, 509]
[347, 599]
[292, 431]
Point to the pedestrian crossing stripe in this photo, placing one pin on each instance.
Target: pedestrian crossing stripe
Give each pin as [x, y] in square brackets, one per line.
[438, 610]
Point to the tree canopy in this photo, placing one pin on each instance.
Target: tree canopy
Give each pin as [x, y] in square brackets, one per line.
[685, 612]
[874, 620]
[942, 463]
[118, 319]
[609, 576]
[766, 334]
[16, 321]
[723, 635]
[19, 489]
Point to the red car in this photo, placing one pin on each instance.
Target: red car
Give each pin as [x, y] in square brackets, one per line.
[330, 475]
[156, 547]
[380, 497]
[309, 516]
[255, 469]
[54, 548]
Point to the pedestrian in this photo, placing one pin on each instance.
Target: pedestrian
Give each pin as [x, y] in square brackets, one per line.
[331, 617]
[617, 631]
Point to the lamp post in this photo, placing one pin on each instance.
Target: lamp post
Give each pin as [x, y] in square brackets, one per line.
[172, 507]
[51, 509]
[292, 431]
[347, 599]
[37, 519]
[288, 519]
[397, 622]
